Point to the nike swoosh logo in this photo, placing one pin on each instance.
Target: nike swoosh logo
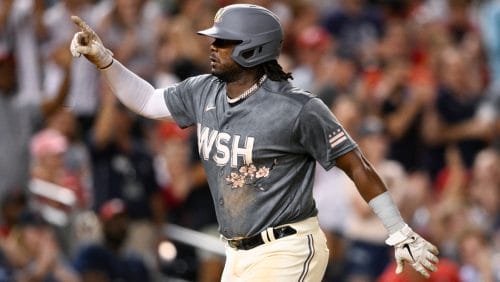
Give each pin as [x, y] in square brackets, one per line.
[208, 108]
[407, 247]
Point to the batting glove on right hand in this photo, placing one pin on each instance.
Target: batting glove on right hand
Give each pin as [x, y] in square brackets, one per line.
[412, 248]
[87, 42]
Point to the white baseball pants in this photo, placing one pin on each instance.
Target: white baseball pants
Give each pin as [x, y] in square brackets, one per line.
[299, 257]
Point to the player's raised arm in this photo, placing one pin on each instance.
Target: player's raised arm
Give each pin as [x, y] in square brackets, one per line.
[133, 91]
[409, 246]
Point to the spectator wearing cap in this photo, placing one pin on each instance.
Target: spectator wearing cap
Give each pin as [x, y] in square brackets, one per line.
[47, 148]
[313, 45]
[76, 157]
[172, 163]
[109, 260]
[55, 191]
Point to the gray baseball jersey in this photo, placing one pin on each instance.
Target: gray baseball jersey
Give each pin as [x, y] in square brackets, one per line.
[260, 154]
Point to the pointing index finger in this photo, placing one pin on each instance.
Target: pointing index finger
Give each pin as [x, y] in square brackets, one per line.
[83, 25]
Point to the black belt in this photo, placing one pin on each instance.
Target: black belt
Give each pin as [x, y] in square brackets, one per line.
[256, 240]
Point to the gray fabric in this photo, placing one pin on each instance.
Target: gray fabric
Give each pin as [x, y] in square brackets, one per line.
[264, 35]
[17, 124]
[260, 154]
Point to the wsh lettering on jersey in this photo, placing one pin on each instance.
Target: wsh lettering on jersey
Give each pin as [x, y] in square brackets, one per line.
[227, 147]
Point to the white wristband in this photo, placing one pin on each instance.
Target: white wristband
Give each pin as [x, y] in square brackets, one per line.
[386, 210]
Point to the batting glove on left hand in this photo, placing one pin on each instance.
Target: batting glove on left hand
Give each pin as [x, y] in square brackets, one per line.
[87, 42]
[412, 248]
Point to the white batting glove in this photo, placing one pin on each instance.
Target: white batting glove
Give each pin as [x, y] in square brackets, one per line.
[412, 248]
[87, 42]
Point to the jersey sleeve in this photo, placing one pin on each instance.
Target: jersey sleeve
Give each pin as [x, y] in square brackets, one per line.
[320, 133]
[183, 99]
[179, 100]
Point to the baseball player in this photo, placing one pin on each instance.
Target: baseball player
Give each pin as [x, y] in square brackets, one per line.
[259, 139]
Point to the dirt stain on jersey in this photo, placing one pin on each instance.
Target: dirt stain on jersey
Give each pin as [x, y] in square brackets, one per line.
[238, 201]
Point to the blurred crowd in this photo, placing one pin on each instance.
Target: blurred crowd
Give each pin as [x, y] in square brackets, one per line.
[86, 186]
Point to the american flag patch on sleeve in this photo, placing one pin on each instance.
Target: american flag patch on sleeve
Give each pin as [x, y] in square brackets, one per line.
[337, 137]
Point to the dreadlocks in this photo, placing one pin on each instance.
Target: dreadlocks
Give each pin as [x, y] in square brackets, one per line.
[274, 71]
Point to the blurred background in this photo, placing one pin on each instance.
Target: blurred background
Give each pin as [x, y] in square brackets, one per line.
[89, 191]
